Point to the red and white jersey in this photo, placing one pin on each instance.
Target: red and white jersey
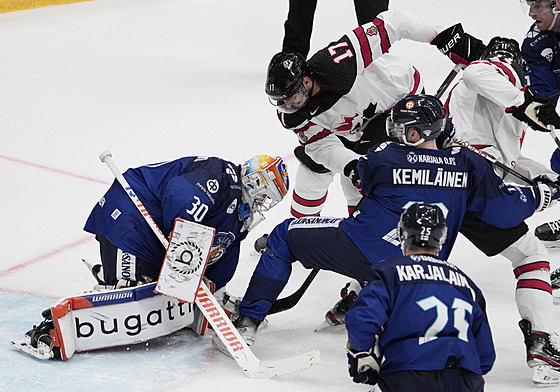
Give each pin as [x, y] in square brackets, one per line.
[477, 105]
[358, 81]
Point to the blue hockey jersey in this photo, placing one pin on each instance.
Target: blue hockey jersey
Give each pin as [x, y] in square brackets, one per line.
[425, 311]
[395, 176]
[541, 52]
[198, 189]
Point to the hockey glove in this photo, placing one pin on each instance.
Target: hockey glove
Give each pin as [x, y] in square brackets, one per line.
[546, 195]
[460, 47]
[363, 366]
[351, 171]
[538, 111]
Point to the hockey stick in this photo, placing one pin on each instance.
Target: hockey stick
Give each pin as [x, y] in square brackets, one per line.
[454, 72]
[214, 313]
[494, 161]
[290, 301]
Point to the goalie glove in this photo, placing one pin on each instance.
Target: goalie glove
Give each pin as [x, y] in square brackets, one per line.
[546, 194]
[460, 47]
[538, 111]
[363, 366]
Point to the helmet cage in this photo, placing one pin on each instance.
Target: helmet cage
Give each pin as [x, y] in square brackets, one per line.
[264, 182]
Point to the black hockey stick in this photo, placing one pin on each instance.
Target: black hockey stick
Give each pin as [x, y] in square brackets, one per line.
[494, 161]
[290, 301]
[454, 72]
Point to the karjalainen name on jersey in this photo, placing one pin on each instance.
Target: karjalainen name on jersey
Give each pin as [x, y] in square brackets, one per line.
[442, 178]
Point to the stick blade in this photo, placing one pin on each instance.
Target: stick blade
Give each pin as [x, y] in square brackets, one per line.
[269, 369]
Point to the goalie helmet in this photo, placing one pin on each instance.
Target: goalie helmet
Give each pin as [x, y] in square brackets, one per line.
[284, 82]
[422, 225]
[264, 181]
[424, 113]
[500, 46]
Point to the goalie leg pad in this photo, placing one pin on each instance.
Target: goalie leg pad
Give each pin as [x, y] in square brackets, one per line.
[102, 319]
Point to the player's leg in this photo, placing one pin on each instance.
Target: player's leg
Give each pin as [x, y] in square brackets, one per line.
[367, 10]
[122, 269]
[530, 262]
[310, 192]
[316, 242]
[298, 26]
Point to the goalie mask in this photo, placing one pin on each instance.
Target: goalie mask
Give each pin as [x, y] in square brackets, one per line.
[265, 182]
[422, 225]
[424, 113]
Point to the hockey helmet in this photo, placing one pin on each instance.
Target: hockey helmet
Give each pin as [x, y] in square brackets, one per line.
[264, 181]
[423, 225]
[284, 82]
[424, 113]
[500, 46]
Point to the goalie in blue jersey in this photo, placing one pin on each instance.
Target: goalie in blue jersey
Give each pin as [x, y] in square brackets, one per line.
[415, 307]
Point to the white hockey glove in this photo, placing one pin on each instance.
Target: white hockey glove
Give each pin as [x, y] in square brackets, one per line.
[363, 366]
[546, 195]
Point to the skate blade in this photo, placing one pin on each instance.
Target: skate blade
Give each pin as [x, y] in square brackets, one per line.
[326, 325]
[22, 345]
[546, 376]
[551, 244]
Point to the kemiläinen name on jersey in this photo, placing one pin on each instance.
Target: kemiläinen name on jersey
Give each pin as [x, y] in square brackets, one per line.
[442, 178]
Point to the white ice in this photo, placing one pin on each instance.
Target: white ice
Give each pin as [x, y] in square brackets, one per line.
[156, 80]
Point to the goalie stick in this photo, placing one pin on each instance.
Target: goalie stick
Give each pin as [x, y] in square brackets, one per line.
[216, 316]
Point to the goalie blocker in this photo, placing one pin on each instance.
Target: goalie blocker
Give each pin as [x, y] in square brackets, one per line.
[102, 319]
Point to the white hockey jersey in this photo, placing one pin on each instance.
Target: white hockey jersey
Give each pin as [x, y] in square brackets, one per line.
[477, 106]
[358, 81]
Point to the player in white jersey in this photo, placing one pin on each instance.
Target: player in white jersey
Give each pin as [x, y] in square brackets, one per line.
[336, 102]
[481, 107]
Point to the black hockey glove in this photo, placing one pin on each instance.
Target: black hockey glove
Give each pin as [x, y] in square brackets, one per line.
[460, 47]
[351, 171]
[363, 366]
[537, 111]
[308, 162]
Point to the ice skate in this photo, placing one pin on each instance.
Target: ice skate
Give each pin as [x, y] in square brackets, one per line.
[247, 327]
[337, 315]
[543, 355]
[549, 232]
[38, 341]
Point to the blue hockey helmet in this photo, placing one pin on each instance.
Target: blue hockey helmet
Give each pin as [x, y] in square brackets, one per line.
[423, 225]
[425, 113]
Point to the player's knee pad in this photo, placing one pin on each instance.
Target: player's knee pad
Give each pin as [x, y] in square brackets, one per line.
[310, 192]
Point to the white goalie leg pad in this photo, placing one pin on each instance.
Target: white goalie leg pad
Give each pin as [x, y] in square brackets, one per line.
[533, 294]
[101, 319]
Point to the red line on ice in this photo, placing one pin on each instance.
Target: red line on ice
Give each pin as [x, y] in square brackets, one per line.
[52, 169]
[44, 256]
